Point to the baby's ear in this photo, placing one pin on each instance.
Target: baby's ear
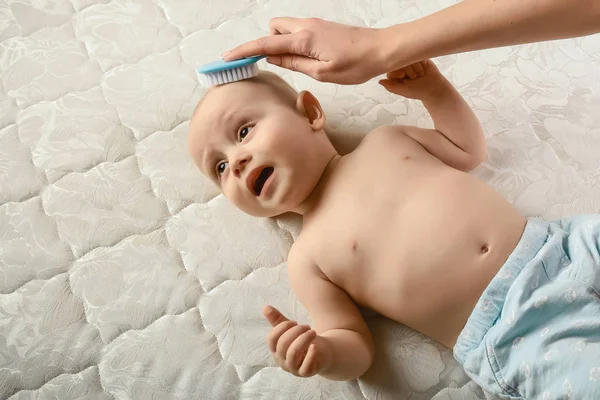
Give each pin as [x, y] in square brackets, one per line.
[308, 105]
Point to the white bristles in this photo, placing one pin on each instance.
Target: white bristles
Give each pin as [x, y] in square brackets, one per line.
[231, 75]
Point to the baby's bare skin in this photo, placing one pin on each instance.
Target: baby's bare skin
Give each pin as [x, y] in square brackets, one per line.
[420, 252]
[397, 225]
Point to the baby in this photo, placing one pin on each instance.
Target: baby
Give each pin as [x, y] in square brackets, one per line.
[400, 227]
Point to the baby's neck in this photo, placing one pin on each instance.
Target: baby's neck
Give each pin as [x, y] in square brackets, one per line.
[313, 200]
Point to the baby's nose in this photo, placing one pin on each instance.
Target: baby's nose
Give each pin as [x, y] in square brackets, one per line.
[239, 167]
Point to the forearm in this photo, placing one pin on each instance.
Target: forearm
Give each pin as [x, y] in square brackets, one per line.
[480, 24]
[455, 119]
[352, 354]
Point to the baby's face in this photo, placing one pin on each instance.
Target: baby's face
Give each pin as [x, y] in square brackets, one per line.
[256, 147]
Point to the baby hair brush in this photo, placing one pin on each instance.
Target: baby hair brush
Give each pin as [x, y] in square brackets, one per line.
[221, 72]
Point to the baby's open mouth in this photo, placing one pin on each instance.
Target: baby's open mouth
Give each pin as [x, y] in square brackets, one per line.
[261, 179]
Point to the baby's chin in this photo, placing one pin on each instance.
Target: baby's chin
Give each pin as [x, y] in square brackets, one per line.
[278, 205]
[269, 213]
[261, 212]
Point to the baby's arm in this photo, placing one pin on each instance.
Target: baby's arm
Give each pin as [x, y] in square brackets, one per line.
[458, 138]
[341, 347]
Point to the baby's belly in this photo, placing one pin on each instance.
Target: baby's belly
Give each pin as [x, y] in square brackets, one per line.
[427, 264]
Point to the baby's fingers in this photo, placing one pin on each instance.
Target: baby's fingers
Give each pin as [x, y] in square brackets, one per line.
[284, 342]
[395, 86]
[410, 71]
[276, 333]
[419, 70]
[298, 349]
[309, 366]
[397, 74]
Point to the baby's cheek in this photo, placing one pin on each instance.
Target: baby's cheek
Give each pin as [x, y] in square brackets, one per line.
[244, 203]
[234, 196]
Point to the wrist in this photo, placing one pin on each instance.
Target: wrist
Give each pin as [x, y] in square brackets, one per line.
[440, 89]
[326, 354]
[402, 46]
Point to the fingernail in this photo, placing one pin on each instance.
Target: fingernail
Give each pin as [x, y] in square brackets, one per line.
[225, 54]
[275, 60]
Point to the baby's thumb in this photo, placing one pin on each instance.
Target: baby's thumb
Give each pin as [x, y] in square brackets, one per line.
[273, 315]
[394, 86]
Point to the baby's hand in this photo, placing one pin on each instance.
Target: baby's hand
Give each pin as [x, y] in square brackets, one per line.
[297, 348]
[418, 81]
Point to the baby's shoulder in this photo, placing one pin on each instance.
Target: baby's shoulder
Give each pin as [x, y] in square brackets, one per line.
[386, 134]
[300, 250]
[300, 258]
[388, 138]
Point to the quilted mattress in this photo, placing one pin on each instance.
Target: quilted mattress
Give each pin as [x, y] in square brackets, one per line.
[124, 274]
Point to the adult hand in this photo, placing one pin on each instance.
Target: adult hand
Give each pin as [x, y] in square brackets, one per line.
[344, 54]
[324, 50]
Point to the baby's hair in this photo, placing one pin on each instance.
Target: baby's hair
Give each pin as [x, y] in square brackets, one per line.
[277, 85]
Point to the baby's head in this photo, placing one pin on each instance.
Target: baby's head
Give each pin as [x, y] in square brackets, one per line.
[262, 143]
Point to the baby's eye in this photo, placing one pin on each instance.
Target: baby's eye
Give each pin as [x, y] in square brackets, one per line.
[221, 168]
[244, 132]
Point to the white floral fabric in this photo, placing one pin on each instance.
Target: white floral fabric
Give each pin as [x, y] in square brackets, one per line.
[125, 275]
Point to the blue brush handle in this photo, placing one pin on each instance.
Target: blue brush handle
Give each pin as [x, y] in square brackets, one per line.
[221, 65]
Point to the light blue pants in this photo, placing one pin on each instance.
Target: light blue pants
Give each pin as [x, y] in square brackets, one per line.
[535, 331]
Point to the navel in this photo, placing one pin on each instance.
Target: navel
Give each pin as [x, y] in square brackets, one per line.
[354, 246]
[485, 249]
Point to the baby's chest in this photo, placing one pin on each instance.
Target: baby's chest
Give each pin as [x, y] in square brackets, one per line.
[381, 180]
[352, 247]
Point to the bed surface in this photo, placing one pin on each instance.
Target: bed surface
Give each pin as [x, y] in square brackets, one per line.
[125, 275]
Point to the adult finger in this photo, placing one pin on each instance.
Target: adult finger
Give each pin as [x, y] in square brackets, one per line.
[299, 348]
[276, 333]
[292, 62]
[288, 337]
[266, 45]
[273, 315]
[283, 25]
